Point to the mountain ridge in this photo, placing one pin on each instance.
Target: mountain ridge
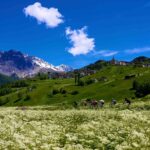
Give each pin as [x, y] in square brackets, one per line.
[99, 64]
[15, 62]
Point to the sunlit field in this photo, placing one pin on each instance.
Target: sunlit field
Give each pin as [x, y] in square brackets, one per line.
[43, 129]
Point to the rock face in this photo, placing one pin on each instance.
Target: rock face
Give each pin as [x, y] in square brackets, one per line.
[14, 62]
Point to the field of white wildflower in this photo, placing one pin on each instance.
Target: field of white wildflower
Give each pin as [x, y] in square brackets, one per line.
[74, 129]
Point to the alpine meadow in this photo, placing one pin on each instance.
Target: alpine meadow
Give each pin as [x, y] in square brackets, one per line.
[75, 75]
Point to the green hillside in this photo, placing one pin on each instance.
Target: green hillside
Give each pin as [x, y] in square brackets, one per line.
[110, 82]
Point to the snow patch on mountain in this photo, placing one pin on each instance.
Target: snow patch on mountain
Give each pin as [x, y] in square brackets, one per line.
[43, 64]
[64, 68]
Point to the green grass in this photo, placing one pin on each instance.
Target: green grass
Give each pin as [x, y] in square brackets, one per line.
[116, 87]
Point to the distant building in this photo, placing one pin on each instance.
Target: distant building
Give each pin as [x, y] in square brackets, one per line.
[146, 65]
[58, 75]
[113, 61]
[116, 62]
[123, 63]
[87, 72]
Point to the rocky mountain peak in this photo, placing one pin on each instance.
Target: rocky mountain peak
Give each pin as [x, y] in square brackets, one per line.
[14, 61]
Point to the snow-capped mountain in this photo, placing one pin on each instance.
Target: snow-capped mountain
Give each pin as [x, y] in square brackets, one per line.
[64, 68]
[14, 62]
[43, 64]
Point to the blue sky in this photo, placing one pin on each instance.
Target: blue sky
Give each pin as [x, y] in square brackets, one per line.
[76, 32]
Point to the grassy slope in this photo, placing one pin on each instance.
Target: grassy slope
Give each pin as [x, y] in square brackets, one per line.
[115, 87]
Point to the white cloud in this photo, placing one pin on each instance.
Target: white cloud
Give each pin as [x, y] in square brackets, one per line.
[50, 16]
[137, 50]
[81, 43]
[106, 53]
